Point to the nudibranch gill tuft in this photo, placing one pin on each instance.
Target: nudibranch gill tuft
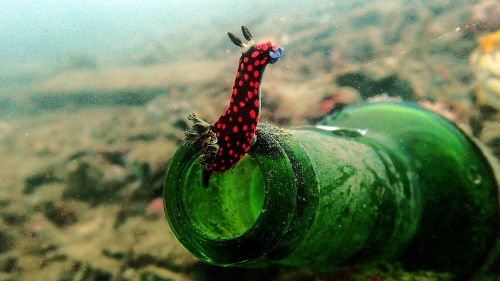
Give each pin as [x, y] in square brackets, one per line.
[229, 138]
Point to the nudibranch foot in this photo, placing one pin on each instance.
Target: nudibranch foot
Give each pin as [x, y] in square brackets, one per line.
[201, 135]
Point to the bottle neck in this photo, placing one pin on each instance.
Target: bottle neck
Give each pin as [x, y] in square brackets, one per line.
[292, 183]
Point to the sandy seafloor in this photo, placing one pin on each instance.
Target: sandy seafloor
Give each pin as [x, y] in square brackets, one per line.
[84, 149]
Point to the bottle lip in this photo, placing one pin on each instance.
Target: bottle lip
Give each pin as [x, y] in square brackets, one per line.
[271, 224]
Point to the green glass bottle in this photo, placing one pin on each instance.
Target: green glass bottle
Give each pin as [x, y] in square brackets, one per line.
[375, 182]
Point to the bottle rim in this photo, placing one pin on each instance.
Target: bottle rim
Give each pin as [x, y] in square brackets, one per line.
[279, 205]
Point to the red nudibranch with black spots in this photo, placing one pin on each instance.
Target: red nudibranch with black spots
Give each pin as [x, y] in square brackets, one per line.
[224, 142]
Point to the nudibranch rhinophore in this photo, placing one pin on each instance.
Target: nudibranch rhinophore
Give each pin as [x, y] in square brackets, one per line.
[226, 141]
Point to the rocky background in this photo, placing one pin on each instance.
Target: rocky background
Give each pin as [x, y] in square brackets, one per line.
[84, 150]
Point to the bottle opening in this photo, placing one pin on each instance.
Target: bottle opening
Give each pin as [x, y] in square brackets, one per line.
[230, 204]
[242, 213]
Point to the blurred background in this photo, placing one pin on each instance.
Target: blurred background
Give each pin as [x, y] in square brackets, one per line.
[94, 97]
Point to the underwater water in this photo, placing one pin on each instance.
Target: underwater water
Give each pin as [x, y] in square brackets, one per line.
[94, 99]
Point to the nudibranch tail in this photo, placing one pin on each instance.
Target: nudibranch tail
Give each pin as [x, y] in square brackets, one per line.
[226, 141]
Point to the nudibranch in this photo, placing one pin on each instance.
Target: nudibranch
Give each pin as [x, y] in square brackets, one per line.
[224, 142]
